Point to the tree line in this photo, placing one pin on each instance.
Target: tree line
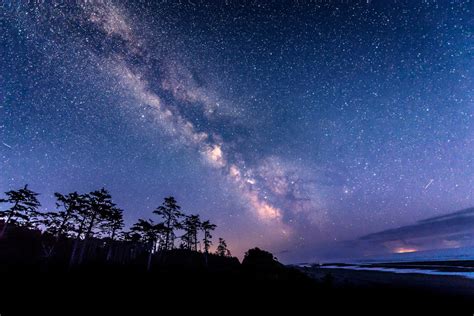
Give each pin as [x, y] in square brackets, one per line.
[83, 217]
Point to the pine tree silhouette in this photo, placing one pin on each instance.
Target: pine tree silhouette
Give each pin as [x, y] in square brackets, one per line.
[222, 249]
[191, 226]
[149, 233]
[171, 213]
[207, 227]
[24, 208]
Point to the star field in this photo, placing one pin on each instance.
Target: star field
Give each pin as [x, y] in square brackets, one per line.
[291, 125]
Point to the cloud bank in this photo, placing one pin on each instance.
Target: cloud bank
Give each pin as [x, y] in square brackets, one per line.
[453, 230]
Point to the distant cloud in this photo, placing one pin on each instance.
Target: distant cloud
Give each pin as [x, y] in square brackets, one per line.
[449, 224]
[453, 230]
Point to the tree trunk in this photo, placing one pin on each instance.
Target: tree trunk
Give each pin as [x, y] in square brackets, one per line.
[76, 242]
[168, 224]
[206, 242]
[150, 255]
[195, 241]
[73, 254]
[109, 252]
[86, 238]
[82, 253]
[63, 225]
[58, 234]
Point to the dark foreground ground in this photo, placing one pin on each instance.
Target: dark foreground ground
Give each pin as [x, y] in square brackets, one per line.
[457, 286]
[434, 294]
[193, 283]
[241, 290]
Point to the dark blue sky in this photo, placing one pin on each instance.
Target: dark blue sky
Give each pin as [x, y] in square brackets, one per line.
[293, 126]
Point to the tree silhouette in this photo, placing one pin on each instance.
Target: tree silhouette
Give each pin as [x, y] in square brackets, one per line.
[222, 249]
[207, 227]
[257, 257]
[52, 221]
[25, 205]
[170, 211]
[132, 236]
[80, 218]
[83, 217]
[150, 233]
[61, 222]
[191, 226]
[100, 206]
[113, 223]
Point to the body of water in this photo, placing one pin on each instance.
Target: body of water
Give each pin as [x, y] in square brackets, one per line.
[456, 262]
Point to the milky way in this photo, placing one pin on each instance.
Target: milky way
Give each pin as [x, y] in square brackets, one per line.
[293, 126]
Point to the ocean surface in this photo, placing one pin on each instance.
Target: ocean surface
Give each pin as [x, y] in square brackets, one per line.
[456, 262]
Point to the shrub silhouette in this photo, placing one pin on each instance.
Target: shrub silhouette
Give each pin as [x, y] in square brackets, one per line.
[259, 258]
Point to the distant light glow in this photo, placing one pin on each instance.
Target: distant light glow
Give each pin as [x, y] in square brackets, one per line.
[405, 250]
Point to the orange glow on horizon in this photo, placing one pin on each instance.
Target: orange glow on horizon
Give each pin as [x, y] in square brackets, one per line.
[405, 250]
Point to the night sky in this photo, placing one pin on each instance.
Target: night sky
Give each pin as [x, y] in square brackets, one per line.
[298, 126]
